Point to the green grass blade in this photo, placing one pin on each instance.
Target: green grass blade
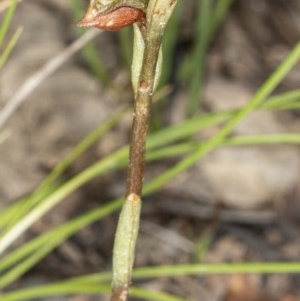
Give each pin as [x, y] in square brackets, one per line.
[58, 290]
[55, 290]
[283, 100]
[7, 20]
[10, 46]
[153, 295]
[222, 268]
[281, 138]
[220, 11]
[92, 283]
[169, 43]
[195, 269]
[188, 147]
[202, 38]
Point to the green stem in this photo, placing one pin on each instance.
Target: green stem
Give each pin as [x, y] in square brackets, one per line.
[157, 15]
[124, 247]
[126, 234]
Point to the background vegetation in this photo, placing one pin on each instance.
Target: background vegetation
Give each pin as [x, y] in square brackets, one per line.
[59, 235]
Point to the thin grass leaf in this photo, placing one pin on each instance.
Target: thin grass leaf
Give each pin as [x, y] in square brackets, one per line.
[282, 138]
[90, 283]
[169, 43]
[198, 59]
[219, 13]
[10, 46]
[193, 270]
[7, 20]
[222, 268]
[59, 290]
[55, 290]
[283, 100]
[147, 294]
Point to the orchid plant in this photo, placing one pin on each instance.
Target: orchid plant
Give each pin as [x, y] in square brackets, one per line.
[149, 18]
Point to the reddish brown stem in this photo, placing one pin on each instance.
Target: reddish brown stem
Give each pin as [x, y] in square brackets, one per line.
[141, 118]
[140, 125]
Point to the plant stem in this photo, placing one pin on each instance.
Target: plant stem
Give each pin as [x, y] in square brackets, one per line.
[149, 35]
[141, 117]
[126, 234]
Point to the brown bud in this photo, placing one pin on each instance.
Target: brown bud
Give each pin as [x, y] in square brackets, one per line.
[113, 20]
